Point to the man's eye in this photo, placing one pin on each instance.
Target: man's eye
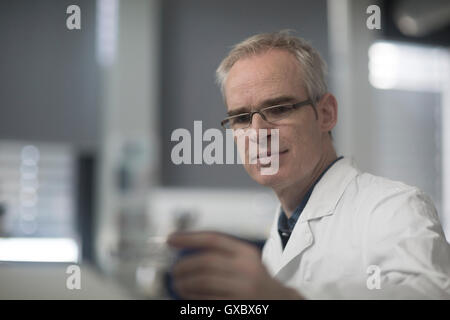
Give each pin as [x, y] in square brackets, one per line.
[278, 110]
[240, 119]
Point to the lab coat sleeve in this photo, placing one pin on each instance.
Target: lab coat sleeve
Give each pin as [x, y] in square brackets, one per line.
[404, 239]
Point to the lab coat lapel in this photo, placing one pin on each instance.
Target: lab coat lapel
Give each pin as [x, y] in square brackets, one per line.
[301, 238]
[322, 202]
[273, 249]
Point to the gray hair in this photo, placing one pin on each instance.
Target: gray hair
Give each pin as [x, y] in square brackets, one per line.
[312, 64]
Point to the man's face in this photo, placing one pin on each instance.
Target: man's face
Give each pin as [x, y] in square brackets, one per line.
[274, 78]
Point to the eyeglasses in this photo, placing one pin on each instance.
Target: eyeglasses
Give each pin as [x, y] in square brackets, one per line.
[269, 114]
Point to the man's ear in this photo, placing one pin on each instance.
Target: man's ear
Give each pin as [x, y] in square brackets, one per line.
[327, 109]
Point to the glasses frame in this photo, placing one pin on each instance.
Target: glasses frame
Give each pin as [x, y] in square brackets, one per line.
[261, 112]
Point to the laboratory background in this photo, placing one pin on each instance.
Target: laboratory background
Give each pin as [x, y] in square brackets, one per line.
[88, 186]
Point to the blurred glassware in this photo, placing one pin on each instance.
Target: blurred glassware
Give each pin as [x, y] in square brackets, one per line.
[157, 258]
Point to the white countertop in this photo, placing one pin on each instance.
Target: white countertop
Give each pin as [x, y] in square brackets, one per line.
[46, 281]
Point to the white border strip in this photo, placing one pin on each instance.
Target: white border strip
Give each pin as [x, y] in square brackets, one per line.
[38, 250]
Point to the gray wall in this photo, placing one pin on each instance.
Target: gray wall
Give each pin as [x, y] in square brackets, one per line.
[48, 74]
[407, 139]
[196, 35]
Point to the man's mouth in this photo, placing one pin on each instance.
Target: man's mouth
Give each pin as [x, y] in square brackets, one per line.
[266, 157]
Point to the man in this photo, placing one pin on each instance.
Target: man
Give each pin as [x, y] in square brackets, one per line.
[338, 233]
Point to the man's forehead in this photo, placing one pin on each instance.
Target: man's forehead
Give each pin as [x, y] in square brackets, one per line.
[256, 79]
[253, 93]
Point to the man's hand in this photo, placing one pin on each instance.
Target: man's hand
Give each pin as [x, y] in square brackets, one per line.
[224, 268]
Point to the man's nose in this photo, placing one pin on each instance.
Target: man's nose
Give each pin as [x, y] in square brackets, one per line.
[258, 123]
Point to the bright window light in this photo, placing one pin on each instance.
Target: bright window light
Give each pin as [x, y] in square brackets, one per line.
[407, 67]
[38, 250]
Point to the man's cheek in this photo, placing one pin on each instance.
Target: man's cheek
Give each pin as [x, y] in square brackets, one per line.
[252, 170]
[249, 168]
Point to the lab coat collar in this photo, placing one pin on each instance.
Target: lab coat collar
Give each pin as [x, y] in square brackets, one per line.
[322, 202]
[329, 190]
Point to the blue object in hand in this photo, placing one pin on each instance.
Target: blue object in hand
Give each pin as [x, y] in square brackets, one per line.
[186, 252]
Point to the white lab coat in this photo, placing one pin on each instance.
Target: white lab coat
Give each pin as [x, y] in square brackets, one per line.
[356, 220]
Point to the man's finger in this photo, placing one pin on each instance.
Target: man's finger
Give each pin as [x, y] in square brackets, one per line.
[203, 262]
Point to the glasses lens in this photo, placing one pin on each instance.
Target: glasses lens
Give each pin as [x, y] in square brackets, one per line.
[277, 112]
[240, 121]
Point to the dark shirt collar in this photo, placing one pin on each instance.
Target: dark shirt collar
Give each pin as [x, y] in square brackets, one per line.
[285, 225]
